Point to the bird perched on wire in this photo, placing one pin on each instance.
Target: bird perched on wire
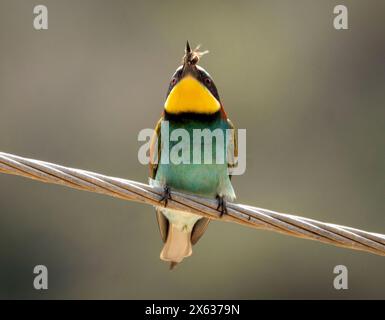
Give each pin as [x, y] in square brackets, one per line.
[192, 105]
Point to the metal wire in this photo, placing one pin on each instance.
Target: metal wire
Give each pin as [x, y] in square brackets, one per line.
[243, 214]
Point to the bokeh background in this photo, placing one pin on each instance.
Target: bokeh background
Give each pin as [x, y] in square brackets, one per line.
[311, 98]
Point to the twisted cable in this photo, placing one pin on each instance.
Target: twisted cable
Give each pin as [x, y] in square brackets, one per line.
[239, 213]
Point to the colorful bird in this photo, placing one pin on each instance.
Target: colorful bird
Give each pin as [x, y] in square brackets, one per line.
[192, 104]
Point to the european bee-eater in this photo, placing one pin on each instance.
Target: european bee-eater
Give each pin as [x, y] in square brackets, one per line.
[192, 103]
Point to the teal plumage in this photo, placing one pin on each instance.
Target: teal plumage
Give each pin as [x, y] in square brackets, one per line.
[203, 179]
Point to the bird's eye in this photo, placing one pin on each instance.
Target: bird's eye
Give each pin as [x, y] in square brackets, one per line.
[208, 81]
[173, 81]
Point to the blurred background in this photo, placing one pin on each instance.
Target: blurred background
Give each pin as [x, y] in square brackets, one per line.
[312, 99]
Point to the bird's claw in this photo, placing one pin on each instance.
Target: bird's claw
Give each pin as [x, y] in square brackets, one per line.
[166, 195]
[222, 207]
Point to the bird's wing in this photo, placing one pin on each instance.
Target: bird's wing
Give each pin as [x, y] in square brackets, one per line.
[232, 151]
[163, 224]
[155, 148]
[199, 229]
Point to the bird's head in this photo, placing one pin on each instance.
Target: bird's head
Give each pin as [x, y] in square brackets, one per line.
[192, 90]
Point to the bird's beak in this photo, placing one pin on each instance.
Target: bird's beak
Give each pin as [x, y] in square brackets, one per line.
[189, 65]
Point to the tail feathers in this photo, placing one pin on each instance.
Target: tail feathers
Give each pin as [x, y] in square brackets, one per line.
[173, 264]
[177, 247]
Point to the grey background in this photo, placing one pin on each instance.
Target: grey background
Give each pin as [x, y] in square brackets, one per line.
[312, 101]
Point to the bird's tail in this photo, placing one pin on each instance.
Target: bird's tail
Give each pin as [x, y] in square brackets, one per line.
[177, 247]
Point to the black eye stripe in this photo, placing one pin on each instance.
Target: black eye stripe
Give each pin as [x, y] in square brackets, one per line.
[202, 76]
[175, 77]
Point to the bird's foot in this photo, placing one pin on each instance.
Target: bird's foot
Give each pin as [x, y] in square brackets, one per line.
[222, 207]
[166, 195]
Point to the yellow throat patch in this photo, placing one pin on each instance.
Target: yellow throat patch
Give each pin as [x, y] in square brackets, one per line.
[189, 95]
